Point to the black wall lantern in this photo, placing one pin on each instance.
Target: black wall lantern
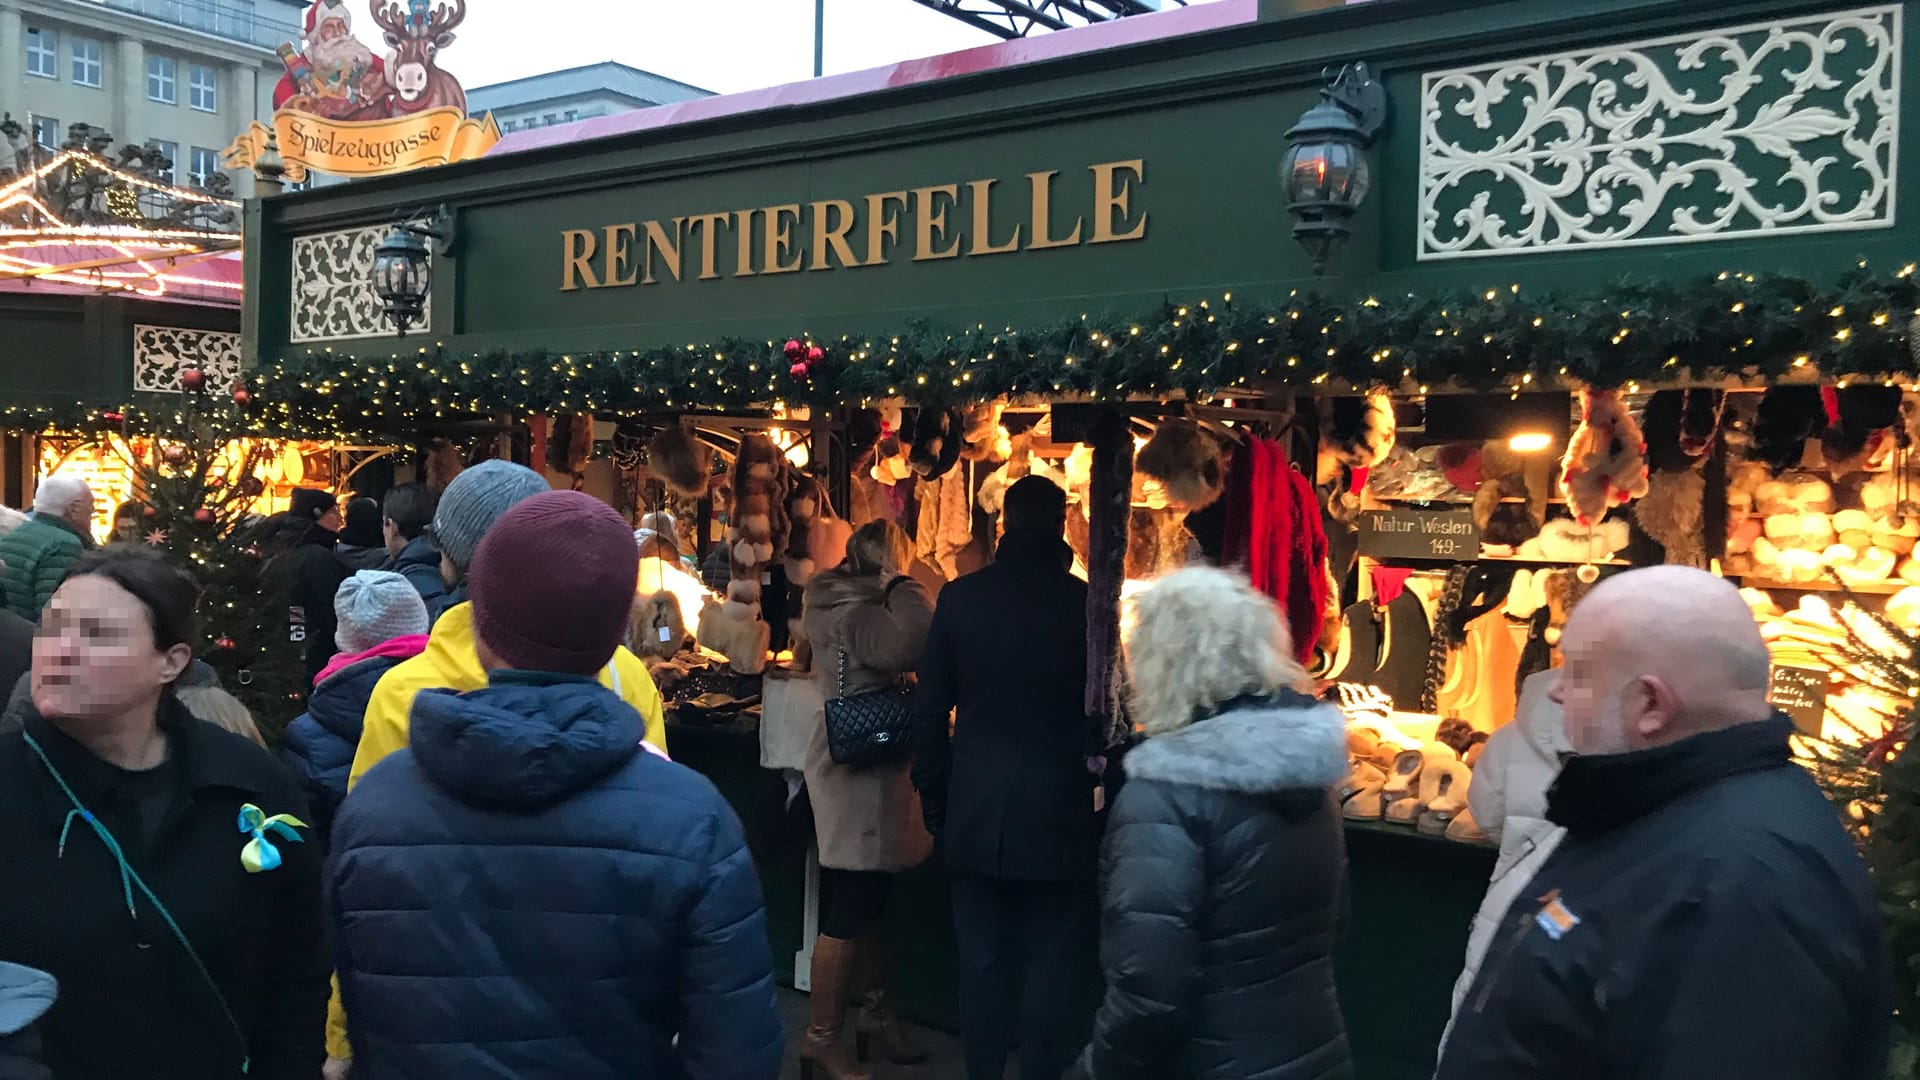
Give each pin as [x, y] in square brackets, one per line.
[1325, 170]
[402, 269]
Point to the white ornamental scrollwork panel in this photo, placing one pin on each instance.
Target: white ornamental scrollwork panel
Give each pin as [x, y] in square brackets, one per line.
[161, 353]
[333, 299]
[1768, 129]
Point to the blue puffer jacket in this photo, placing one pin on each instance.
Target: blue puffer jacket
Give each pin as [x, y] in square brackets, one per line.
[319, 745]
[525, 893]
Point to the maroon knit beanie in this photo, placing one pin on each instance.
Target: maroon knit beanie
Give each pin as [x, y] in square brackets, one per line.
[552, 582]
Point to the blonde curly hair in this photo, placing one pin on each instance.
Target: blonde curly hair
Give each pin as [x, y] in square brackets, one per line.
[1201, 637]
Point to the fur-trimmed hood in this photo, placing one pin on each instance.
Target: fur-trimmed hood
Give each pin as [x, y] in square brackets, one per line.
[1262, 746]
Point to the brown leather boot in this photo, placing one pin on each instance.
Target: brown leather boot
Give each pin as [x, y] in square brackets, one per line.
[823, 1054]
[878, 1025]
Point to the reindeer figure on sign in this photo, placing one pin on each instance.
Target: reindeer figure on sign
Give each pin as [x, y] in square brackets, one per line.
[417, 37]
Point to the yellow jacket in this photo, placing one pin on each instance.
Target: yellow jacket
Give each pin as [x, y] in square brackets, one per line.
[450, 662]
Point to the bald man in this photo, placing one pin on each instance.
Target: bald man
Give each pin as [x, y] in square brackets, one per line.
[1705, 917]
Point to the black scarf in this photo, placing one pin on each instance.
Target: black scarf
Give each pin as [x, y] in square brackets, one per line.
[1603, 792]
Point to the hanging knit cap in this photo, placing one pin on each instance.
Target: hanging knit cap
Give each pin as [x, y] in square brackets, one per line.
[474, 500]
[568, 621]
[374, 606]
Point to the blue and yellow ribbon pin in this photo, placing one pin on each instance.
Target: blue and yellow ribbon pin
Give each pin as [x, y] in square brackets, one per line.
[260, 854]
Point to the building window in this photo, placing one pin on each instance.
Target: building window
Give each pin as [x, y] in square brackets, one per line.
[550, 119]
[200, 88]
[508, 126]
[43, 53]
[46, 132]
[573, 114]
[205, 164]
[305, 184]
[86, 62]
[161, 80]
[170, 151]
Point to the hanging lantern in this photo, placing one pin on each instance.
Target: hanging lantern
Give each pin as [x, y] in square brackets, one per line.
[403, 267]
[1325, 168]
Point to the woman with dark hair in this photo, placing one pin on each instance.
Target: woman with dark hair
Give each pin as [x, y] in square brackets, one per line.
[154, 861]
[867, 621]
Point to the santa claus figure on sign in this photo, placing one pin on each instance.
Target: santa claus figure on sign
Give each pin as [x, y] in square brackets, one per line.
[333, 74]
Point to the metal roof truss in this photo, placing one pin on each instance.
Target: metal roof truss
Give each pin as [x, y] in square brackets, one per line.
[1017, 18]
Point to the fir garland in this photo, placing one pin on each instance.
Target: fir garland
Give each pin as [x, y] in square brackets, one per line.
[1759, 327]
[1763, 327]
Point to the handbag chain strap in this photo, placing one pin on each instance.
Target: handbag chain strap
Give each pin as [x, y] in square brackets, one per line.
[840, 679]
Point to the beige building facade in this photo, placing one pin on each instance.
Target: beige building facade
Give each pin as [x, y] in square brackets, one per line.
[188, 75]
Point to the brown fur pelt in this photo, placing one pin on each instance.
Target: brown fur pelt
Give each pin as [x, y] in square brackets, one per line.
[681, 461]
[1359, 432]
[742, 642]
[443, 464]
[806, 505]
[1185, 460]
[570, 443]
[1505, 523]
[984, 438]
[1156, 542]
[1670, 512]
[650, 617]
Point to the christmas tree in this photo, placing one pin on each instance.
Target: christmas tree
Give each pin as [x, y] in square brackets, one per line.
[198, 479]
[1875, 781]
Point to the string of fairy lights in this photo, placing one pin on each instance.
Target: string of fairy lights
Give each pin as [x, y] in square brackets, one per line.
[1749, 326]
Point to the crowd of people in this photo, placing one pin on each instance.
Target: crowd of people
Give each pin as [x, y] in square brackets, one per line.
[472, 854]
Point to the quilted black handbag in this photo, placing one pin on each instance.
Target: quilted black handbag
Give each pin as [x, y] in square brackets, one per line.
[870, 728]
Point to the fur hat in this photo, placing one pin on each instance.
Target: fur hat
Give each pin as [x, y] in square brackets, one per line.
[1185, 460]
[656, 628]
[1671, 512]
[680, 461]
[1788, 416]
[570, 445]
[1358, 431]
[933, 439]
[1502, 523]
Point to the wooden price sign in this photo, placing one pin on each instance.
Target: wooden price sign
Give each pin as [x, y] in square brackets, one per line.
[1419, 534]
[1801, 693]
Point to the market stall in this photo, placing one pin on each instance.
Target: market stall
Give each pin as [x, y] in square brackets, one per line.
[1429, 316]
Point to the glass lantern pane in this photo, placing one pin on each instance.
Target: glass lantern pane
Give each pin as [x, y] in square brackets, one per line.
[1307, 173]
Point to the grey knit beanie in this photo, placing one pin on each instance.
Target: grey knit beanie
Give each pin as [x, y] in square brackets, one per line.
[374, 606]
[472, 502]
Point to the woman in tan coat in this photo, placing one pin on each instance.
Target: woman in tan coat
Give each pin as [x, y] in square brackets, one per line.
[867, 819]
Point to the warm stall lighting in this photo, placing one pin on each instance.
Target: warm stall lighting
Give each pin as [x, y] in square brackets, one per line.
[1530, 442]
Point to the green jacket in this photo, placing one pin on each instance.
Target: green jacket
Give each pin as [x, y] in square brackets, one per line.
[37, 556]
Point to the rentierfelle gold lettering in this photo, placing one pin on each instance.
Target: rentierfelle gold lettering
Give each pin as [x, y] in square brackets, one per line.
[943, 221]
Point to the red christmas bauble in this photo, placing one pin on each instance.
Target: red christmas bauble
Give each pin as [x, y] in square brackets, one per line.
[252, 486]
[203, 516]
[215, 483]
[114, 417]
[193, 379]
[241, 396]
[224, 642]
[793, 349]
[815, 354]
[174, 455]
[799, 370]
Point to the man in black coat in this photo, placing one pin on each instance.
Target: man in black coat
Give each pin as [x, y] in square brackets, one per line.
[1008, 791]
[407, 512]
[1706, 915]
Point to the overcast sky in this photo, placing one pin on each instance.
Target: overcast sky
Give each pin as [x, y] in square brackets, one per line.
[723, 45]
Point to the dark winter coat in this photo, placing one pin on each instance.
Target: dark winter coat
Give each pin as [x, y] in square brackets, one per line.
[319, 745]
[1009, 793]
[25, 997]
[1222, 881]
[419, 563]
[525, 892]
[38, 555]
[361, 557]
[133, 1002]
[313, 576]
[1705, 916]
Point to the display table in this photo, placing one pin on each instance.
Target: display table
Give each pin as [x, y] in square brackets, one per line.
[1413, 899]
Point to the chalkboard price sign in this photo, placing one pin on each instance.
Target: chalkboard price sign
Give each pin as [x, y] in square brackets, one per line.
[1419, 534]
[1801, 693]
